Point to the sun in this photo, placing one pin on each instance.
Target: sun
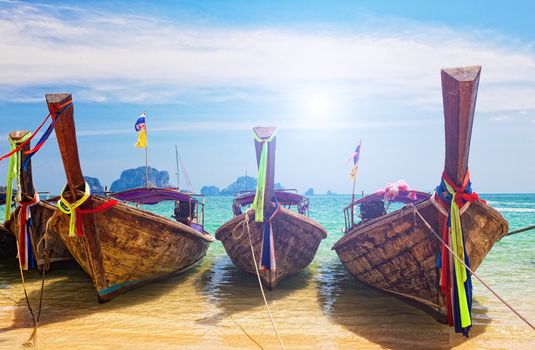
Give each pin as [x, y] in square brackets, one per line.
[317, 104]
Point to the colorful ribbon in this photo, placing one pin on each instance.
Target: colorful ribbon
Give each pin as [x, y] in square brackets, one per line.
[258, 203]
[46, 134]
[70, 209]
[455, 280]
[267, 252]
[13, 173]
[25, 251]
[100, 208]
[64, 107]
[76, 227]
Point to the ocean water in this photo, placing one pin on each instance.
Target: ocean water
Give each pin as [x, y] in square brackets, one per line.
[216, 306]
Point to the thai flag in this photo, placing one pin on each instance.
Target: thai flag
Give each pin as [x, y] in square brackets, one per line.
[356, 154]
[140, 122]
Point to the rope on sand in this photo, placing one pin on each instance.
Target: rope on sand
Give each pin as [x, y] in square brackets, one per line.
[470, 270]
[245, 225]
[245, 332]
[32, 340]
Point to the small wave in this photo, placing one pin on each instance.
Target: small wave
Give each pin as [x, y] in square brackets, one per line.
[510, 203]
[516, 210]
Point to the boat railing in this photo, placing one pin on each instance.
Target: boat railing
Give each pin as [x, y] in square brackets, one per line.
[349, 216]
[302, 205]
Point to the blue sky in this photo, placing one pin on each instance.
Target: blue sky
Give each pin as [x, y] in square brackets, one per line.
[326, 73]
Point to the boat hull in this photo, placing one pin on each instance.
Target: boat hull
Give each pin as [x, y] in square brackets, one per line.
[397, 253]
[296, 241]
[41, 213]
[132, 247]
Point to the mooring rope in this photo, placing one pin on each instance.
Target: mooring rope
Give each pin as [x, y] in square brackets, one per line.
[32, 340]
[245, 225]
[529, 228]
[245, 332]
[469, 269]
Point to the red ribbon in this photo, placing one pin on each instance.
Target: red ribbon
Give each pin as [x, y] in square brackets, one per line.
[99, 209]
[445, 280]
[460, 197]
[22, 227]
[52, 114]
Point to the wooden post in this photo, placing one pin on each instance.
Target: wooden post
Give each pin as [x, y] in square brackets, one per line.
[26, 181]
[177, 170]
[353, 191]
[265, 133]
[146, 154]
[66, 136]
[459, 94]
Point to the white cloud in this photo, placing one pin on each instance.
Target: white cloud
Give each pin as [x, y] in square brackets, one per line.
[173, 127]
[114, 57]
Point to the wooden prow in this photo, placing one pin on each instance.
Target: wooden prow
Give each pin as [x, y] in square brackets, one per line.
[66, 136]
[459, 94]
[26, 181]
[265, 133]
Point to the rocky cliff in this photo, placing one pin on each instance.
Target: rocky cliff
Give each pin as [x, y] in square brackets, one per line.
[135, 178]
[94, 184]
[210, 191]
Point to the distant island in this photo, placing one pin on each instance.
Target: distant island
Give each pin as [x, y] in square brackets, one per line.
[94, 184]
[135, 178]
[309, 192]
[242, 183]
[3, 190]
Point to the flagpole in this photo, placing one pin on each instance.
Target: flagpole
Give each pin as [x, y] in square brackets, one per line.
[353, 193]
[177, 169]
[146, 155]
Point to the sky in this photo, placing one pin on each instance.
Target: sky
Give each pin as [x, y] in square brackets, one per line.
[326, 73]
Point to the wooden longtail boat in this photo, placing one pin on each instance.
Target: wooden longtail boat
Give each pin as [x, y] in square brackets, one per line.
[397, 253]
[122, 247]
[296, 237]
[40, 214]
[7, 243]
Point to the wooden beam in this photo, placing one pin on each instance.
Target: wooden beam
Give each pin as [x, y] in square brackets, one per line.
[265, 133]
[459, 94]
[26, 181]
[66, 136]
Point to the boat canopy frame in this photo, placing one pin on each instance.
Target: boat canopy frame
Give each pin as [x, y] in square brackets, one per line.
[151, 196]
[406, 197]
[287, 198]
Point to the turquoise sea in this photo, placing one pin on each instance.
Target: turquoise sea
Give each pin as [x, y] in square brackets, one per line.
[217, 306]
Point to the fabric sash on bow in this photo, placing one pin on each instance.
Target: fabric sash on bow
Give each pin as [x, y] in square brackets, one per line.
[75, 211]
[267, 256]
[13, 170]
[455, 279]
[25, 251]
[258, 203]
[70, 209]
[267, 252]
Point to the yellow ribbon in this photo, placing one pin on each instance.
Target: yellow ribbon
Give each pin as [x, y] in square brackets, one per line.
[458, 247]
[70, 209]
[13, 172]
[258, 203]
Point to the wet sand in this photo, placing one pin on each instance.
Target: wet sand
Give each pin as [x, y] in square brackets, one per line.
[215, 306]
